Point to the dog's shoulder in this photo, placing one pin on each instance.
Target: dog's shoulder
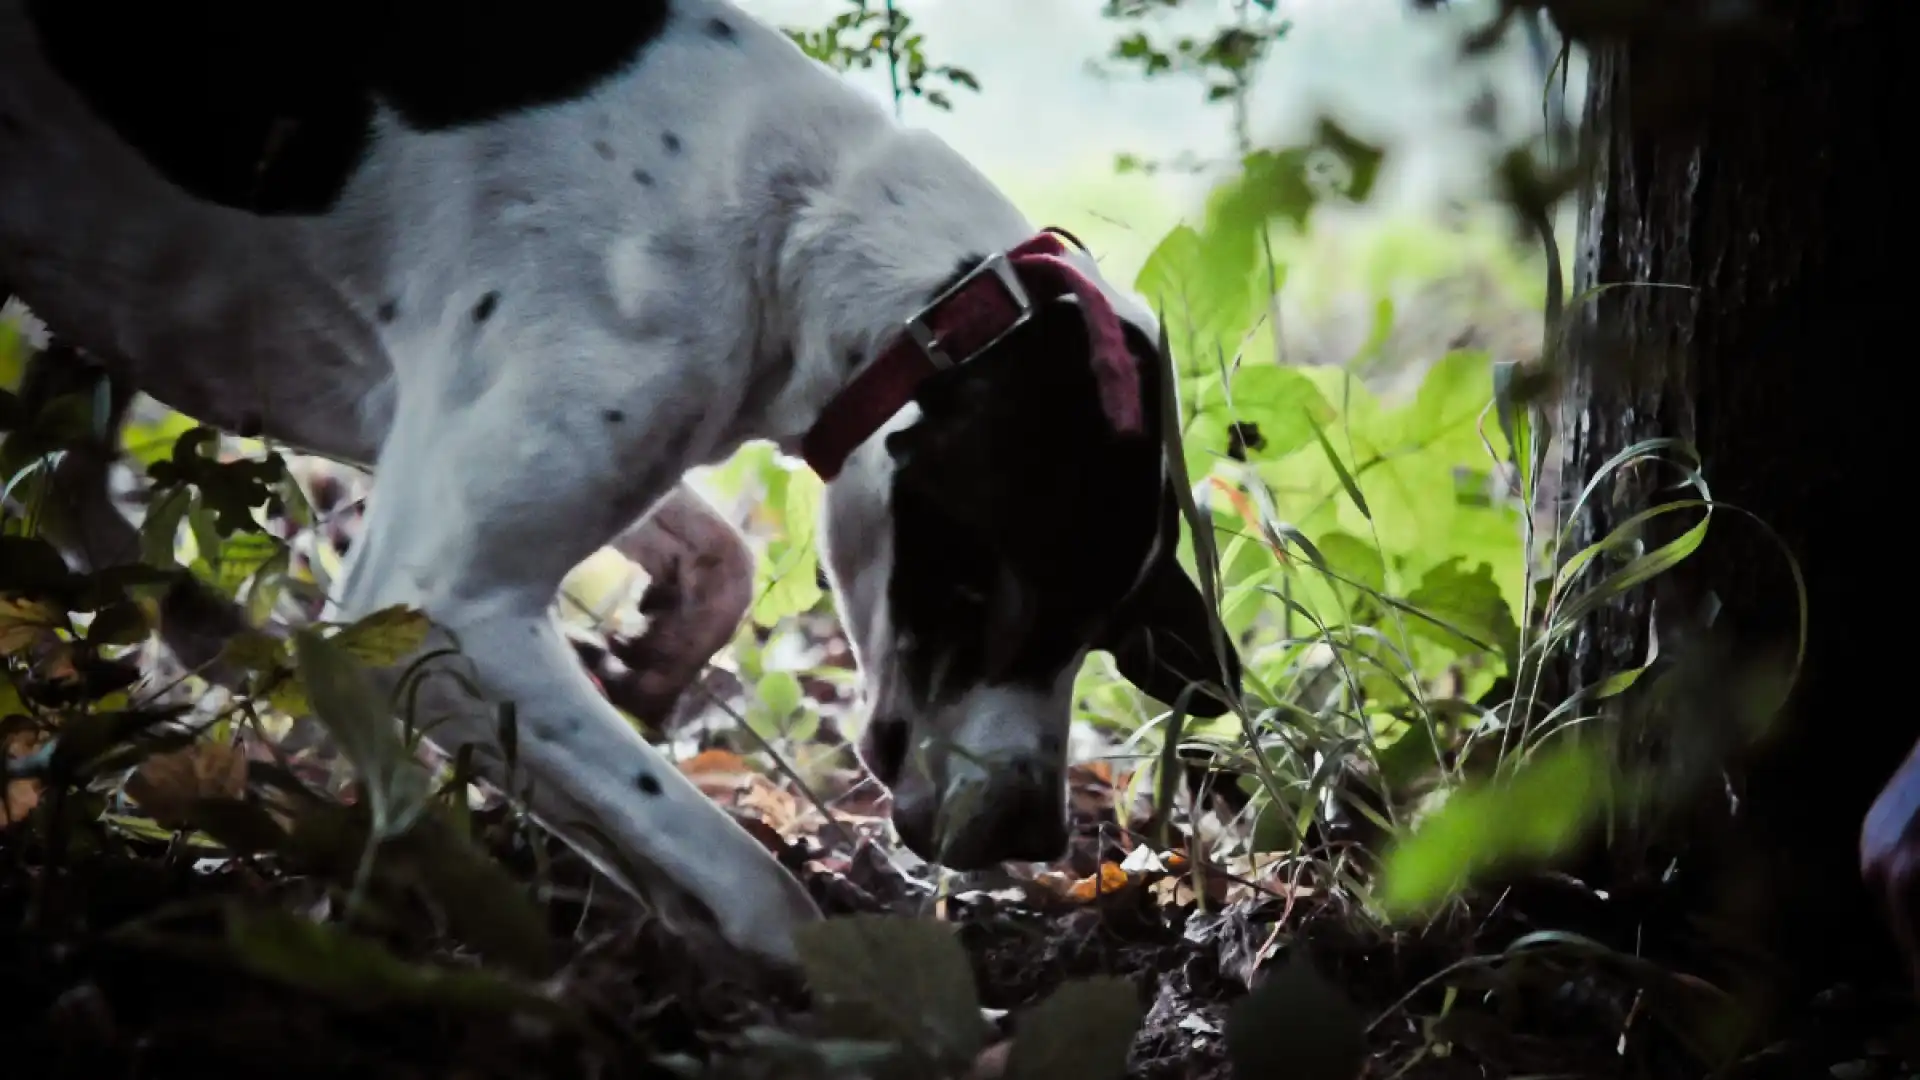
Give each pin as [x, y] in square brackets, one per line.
[270, 107]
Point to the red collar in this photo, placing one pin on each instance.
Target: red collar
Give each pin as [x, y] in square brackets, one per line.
[989, 303]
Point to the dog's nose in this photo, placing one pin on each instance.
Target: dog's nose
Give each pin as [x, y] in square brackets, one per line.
[1021, 816]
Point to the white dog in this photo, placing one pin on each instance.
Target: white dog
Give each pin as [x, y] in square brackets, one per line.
[534, 262]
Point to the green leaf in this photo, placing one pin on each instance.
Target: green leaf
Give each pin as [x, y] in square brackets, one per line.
[385, 637]
[240, 556]
[484, 906]
[1209, 290]
[777, 697]
[1469, 604]
[357, 973]
[785, 582]
[1354, 559]
[1410, 500]
[160, 529]
[1298, 1025]
[1340, 470]
[147, 443]
[901, 979]
[346, 702]
[1283, 404]
[1534, 812]
[1083, 1032]
[1444, 416]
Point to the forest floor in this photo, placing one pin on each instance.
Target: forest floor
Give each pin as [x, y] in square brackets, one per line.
[128, 950]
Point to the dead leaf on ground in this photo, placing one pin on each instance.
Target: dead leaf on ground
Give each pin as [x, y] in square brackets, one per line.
[1111, 879]
[166, 785]
[775, 806]
[719, 774]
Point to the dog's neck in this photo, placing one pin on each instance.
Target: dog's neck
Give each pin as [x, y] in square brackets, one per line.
[870, 247]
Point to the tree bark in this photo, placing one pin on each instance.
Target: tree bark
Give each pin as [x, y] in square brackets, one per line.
[1756, 176]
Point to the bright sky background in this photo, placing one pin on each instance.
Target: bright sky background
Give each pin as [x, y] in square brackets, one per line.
[1047, 127]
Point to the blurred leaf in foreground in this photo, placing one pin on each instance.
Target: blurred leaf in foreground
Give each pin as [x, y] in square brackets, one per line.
[898, 979]
[1532, 813]
[1083, 1032]
[322, 958]
[1298, 1025]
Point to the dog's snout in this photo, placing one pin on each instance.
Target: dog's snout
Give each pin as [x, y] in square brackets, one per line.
[1015, 813]
[1027, 821]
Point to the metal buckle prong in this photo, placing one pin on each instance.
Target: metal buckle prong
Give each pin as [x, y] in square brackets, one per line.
[995, 264]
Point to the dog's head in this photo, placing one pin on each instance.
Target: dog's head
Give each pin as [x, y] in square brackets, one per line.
[980, 544]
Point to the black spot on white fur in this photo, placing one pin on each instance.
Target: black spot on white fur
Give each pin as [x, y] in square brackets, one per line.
[484, 310]
[643, 177]
[670, 141]
[249, 106]
[614, 416]
[388, 311]
[603, 148]
[647, 783]
[720, 29]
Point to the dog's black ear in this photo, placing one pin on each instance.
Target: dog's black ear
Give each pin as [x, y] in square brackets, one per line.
[1162, 642]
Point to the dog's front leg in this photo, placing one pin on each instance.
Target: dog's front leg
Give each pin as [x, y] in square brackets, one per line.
[476, 516]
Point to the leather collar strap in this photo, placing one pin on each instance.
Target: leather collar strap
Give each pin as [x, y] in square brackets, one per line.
[990, 302]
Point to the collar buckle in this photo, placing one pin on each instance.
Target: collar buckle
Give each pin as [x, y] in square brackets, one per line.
[996, 266]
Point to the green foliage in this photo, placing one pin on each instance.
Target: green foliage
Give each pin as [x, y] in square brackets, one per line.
[867, 34]
[1531, 813]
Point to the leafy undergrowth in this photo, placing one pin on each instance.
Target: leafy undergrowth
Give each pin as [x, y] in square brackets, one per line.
[1341, 878]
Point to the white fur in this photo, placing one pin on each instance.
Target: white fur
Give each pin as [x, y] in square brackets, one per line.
[796, 226]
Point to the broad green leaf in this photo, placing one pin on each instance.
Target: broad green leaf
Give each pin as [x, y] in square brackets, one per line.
[784, 577]
[240, 556]
[1444, 417]
[1353, 559]
[895, 978]
[1283, 404]
[147, 443]
[1208, 291]
[358, 973]
[160, 529]
[484, 905]
[1466, 600]
[1534, 812]
[384, 637]
[776, 698]
[1084, 1031]
[1410, 500]
[345, 700]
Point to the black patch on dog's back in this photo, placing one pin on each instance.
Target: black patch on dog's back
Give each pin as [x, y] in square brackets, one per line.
[266, 107]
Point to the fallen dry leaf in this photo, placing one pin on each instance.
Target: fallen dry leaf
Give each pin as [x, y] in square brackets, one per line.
[719, 774]
[166, 785]
[1111, 879]
[775, 806]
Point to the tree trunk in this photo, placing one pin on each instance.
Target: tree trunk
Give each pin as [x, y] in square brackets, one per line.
[1756, 175]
